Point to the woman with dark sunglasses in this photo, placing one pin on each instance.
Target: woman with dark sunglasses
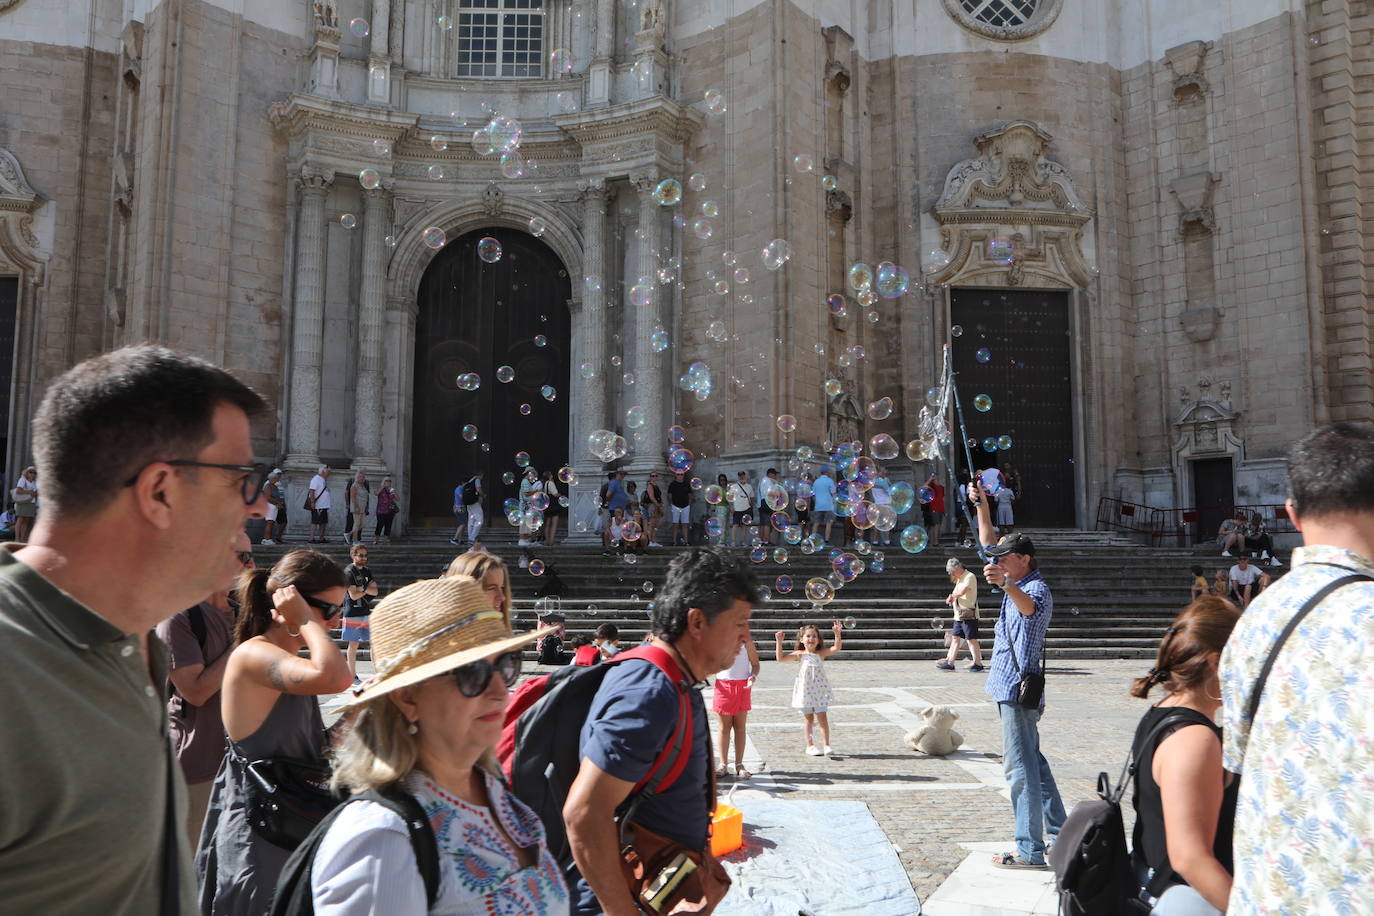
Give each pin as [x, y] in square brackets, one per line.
[425, 726]
[270, 710]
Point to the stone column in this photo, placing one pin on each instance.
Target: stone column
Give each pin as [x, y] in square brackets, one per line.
[307, 332]
[590, 395]
[648, 367]
[603, 54]
[379, 57]
[367, 404]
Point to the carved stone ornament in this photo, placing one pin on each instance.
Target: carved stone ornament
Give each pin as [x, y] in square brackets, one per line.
[839, 204]
[1012, 191]
[1204, 430]
[843, 415]
[8, 4]
[1004, 20]
[1185, 61]
[19, 244]
[326, 14]
[493, 200]
[1194, 196]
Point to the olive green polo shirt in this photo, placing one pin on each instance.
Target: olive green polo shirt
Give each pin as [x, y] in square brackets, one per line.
[84, 753]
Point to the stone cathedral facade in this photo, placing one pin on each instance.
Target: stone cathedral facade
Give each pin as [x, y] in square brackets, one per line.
[1138, 225]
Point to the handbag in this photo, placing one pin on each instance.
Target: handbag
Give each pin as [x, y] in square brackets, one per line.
[284, 798]
[666, 877]
[1031, 687]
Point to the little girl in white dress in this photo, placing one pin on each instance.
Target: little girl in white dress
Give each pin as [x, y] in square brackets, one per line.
[811, 692]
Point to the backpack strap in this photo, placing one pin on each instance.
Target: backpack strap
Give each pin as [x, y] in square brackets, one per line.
[196, 617]
[1128, 770]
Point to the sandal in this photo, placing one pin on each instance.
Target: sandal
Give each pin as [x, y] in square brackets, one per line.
[722, 770]
[742, 773]
[1013, 861]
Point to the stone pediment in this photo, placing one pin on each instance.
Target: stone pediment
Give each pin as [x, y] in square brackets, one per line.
[19, 201]
[1013, 195]
[644, 134]
[1206, 410]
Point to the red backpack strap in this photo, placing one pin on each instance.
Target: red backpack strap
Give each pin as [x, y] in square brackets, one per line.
[672, 760]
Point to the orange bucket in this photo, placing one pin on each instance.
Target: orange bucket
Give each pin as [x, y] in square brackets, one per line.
[727, 829]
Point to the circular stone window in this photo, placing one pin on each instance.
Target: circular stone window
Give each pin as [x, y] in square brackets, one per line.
[1004, 20]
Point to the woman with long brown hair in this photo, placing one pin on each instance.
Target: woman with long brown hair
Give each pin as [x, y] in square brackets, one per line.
[1185, 801]
[491, 573]
[270, 711]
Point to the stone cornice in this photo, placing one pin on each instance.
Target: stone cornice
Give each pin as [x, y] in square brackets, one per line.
[299, 114]
[657, 115]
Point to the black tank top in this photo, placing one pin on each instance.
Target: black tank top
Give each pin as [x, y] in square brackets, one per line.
[1149, 847]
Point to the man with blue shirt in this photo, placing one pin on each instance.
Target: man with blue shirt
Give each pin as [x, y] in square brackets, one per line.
[1027, 607]
[701, 618]
[823, 502]
[617, 501]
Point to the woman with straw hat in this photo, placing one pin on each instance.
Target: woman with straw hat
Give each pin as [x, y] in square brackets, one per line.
[428, 721]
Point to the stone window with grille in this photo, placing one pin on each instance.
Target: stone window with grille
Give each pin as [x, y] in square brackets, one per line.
[1004, 20]
[499, 38]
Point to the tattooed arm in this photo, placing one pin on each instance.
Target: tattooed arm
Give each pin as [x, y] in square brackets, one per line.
[324, 672]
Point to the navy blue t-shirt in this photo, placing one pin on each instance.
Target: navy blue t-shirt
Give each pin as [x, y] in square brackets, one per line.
[631, 720]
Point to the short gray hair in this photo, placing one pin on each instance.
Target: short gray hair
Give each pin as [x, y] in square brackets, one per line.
[952, 564]
[322, 469]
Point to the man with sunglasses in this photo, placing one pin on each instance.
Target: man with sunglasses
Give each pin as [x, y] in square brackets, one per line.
[199, 641]
[147, 461]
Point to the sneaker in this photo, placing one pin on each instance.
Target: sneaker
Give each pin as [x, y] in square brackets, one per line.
[1275, 561]
[945, 666]
[268, 542]
[455, 542]
[975, 667]
[1226, 553]
[655, 544]
[357, 681]
[828, 751]
[812, 751]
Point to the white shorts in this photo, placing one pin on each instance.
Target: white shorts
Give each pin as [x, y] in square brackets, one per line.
[272, 512]
[682, 515]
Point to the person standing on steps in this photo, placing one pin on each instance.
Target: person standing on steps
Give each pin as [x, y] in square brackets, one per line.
[823, 502]
[361, 589]
[964, 600]
[653, 508]
[680, 498]
[473, 494]
[388, 504]
[1018, 649]
[359, 498]
[276, 509]
[317, 500]
[460, 517]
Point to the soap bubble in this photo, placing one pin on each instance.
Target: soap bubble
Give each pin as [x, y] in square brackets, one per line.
[591, 283]
[913, 539]
[849, 623]
[469, 433]
[522, 459]
[1001, 250]
[630, 531]
[777, 500]
[703, 228]
[782, 584]
[634, 417]
[697, 182]
[536, 568]
[860, 276]
[1004, 443]
[369, 178]
[587, 370]
[438, 143]
[489, 250]
[540, 340]
[668, 192]
[526, 410]
[903, 497]
[677, 435]
[560, 61]
[358, 27]
[883, 447]
[989, 444]
[508, 478]
[681, 459]
[982, 403]
[983, 355]
[709, 208]
[715, 101]
[716, 331]
[641, 294]
[567, 101]
[787, 423]
[819, 591]
[505, 375]
[714, 494]
[830, 182]
[803, 163]
[892, 280]
[504, 132]
[511, 507]
[445, 23]
[926, 495]
[381, 147]
[658, 341]
[469, 381]
[880, 409]
[537, 226]
[956, 331]
[742, 275]
[935, 395]
[433, 237]
[348, 221]
[805, 452]
[713, 527]
[512, 164]
[935, 260]
[833, 386]
[776, 253]
[605, 445]
[435, 172]
[837, 305]
[548, 393]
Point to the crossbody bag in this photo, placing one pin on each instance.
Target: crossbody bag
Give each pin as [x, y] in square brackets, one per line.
[1030, 686]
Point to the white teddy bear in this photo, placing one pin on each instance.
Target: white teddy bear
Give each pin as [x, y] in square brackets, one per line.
[936, 737]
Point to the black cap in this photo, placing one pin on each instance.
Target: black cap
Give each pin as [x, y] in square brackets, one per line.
[1012, 543]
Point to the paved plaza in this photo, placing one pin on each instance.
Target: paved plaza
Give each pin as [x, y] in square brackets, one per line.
[937, 812]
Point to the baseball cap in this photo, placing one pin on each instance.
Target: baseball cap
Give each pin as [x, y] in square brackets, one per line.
[1012, 543]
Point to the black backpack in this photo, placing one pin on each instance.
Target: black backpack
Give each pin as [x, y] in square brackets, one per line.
[1092, 867]
[551, 651]
[294, 897]
[470, 492]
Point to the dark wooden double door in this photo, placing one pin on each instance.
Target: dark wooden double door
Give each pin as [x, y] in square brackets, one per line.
[477, 317]
[1027, 374]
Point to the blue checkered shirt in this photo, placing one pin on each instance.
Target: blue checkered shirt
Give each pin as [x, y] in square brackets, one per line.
[1027, 634]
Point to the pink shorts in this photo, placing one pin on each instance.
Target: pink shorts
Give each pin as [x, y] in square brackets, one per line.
[732, 697]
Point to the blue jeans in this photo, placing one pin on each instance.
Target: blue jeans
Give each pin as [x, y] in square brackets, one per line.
[1034, 796]
[1182, 900]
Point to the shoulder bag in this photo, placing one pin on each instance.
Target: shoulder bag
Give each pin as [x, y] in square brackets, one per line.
[1031, 686]
[284, 797]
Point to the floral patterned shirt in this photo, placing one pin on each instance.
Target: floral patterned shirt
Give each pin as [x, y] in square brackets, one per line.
[1304, 836]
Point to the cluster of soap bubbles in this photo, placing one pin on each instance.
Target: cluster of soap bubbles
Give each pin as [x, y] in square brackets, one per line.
[606, 446]
[697, 380]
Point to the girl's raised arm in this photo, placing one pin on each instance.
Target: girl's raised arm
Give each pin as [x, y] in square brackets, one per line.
[778, 637]
[838, 644]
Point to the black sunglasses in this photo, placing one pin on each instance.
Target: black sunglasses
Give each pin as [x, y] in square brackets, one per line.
[254, 475]
[330, 610]
[474, 677]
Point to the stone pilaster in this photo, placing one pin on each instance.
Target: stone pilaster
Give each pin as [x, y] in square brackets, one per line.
[307, 332]
[603, 53]
[590, 332]
[648, 365]
[367, 405]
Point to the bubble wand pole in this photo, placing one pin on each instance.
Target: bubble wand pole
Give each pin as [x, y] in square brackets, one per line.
[953, 389]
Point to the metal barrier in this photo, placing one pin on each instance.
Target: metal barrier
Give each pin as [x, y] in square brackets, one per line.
[1185, 527]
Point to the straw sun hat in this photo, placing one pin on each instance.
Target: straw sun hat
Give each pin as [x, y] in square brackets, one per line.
[433, 626]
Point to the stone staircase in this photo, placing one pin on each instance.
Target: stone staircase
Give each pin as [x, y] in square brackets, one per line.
[1113, 598]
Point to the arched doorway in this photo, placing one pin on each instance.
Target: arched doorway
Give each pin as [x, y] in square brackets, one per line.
[477, 317]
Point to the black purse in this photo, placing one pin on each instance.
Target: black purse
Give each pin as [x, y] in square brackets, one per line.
[284, 798]
[1031, 687]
